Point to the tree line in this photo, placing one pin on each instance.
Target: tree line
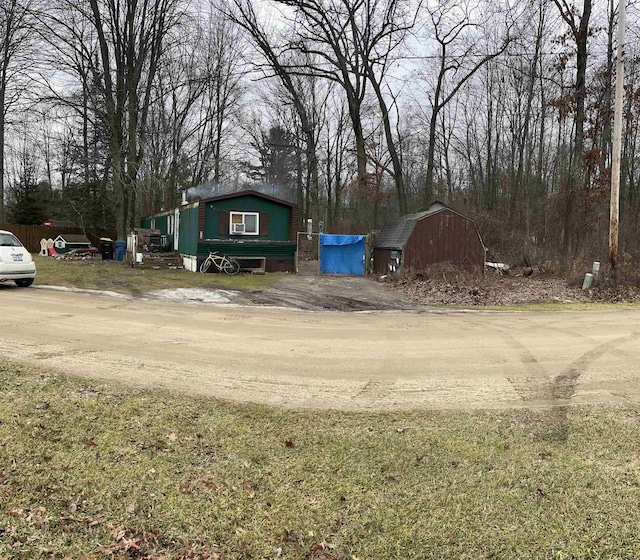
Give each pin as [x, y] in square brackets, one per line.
[358, 110]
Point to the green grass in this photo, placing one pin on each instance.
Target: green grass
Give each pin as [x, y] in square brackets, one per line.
[116, 277]
[90, 468]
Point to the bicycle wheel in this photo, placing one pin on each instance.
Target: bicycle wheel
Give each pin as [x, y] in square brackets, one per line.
[231, 267]
[205, 266]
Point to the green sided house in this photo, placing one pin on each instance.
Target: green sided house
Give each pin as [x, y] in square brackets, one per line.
[165, 223]
[257, 229]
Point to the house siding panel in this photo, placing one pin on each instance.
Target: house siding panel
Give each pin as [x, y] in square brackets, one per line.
[188, 243]
[161, 221]
[445, 236]
[295, 225]
[162, 224]
[278, 223]
[249, 249]
[280, 256]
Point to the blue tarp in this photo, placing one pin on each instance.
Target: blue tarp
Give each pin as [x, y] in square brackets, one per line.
[342, 254]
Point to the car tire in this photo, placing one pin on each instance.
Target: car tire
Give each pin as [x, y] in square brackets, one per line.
[24, 283]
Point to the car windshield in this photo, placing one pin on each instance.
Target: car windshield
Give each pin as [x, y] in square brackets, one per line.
[9, 240]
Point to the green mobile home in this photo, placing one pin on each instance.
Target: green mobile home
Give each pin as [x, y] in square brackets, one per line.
[166, 223]
[247, 225]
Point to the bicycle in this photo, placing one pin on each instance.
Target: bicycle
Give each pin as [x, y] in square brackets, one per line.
[222, 263]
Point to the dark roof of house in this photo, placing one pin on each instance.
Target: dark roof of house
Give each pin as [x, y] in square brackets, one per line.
[74, 238]
[246, 193]
[395, 235]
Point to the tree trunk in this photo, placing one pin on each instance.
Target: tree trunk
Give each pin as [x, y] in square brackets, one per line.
[581, 88]
[433, 123]
[524, 137]
[398, 174]
[3, 217]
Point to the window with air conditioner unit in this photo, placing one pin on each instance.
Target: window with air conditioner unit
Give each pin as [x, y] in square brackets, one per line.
[244, 223]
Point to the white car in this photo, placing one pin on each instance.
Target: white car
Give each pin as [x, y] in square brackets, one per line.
[16, 262]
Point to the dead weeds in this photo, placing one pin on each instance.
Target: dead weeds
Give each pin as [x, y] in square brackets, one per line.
[447, 285]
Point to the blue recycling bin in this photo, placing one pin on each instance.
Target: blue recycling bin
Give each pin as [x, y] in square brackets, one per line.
[121, 250]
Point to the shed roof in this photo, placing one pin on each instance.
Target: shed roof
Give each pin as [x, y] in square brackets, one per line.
[74, 238]
[395, 235]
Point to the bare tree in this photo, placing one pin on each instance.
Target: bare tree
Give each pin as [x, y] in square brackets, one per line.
[242, 12]
[378, 42]
[450, 20]
[579, 28]
[345, 41]
[529, 75]
[16, 37]
[131, 39]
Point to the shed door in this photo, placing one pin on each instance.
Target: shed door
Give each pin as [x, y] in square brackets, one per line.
[342, 254]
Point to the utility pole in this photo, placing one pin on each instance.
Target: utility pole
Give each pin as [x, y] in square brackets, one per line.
[614, 213]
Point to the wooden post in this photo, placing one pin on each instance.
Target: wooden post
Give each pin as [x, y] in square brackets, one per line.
[617, 142]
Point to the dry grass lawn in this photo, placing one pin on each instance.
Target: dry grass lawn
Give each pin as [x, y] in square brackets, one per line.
[116, 277]
[97, 470]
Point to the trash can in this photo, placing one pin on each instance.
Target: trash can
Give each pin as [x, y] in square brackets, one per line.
[121, 250]
[106, 248]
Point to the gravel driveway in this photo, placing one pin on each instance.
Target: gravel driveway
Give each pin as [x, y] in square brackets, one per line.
[292, 358]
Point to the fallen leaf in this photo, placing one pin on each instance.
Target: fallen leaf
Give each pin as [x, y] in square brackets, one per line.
[290, 536]
[172, 437]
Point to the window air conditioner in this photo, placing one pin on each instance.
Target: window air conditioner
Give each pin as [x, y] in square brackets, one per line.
[238, 228]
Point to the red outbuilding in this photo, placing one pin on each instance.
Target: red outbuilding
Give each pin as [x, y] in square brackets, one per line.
[436, 235]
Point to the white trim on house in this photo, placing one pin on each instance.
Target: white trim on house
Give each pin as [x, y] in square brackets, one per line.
[176, 229]
[240, 228]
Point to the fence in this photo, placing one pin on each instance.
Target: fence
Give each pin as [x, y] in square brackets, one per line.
[30, 236]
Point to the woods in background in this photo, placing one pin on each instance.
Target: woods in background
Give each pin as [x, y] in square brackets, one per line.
[358, 110]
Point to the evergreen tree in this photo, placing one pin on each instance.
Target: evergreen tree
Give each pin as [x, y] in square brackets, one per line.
[28, 202]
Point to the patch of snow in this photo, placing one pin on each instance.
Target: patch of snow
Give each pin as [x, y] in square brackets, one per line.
[83, 291]
[194, 295]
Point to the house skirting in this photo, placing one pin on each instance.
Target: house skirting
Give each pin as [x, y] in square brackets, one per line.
[190, 262]
[279, 256]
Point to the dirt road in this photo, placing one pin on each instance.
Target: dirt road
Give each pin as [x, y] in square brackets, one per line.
[331, 360]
